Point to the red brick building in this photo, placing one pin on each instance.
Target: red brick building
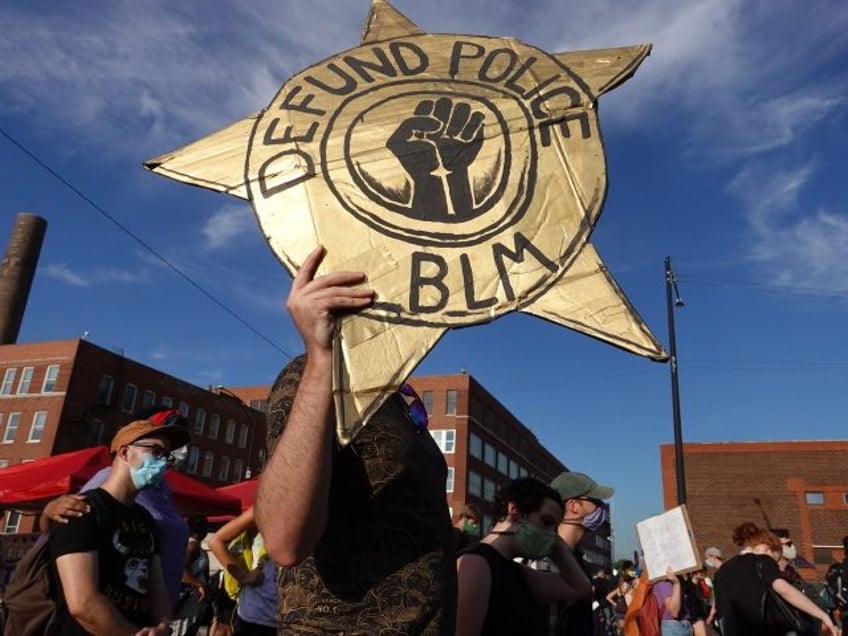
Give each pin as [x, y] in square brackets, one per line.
[65, 395]
[799, 486]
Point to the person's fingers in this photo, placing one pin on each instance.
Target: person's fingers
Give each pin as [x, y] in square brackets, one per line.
[309, 267]
[458, 119]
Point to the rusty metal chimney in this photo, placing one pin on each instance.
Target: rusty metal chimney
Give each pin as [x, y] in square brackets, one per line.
[17, 271]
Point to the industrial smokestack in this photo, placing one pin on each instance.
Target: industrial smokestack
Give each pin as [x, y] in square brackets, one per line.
[17, 271]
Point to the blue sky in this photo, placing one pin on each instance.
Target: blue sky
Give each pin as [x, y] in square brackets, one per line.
[723, 152]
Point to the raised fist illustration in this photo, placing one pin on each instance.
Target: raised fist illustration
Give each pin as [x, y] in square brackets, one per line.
[436, 145]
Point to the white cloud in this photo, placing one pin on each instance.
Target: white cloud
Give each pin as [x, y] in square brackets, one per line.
[100, 276]
[793, 246]
[62, 273]
[227, 225]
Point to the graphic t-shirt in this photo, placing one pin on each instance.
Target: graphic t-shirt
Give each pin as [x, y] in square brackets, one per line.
[386, 561]
[125, 540]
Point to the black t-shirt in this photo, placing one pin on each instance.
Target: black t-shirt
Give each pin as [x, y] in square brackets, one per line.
[512, 610]
[576, 618]
[739, 595]
[125, 540]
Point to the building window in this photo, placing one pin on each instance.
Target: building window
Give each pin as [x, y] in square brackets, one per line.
[12, 423]
[104, 390]
[8, 381]
[25, 381]
[149, 399]
[513, 469]
[262, 456]
[488, 523]
[427, 400]
[193, 457]
[475, 483]
[50, 378]
[95, 433]
[13, 522]
[503, 464]
[36, 431]
[230, 434]
[183, 409]
[237, 469]
[224, 469]
[242, 439]
[449, 481]
[214, 424]
[845, 498]
[167, 401]
[450, 402]
[199, 421]
[4, 463]
[488, 490]
[128, 403]
[208, 460]
[815, 498]
[489, 454]
[522, 472]
[475, 446]
[446, 439]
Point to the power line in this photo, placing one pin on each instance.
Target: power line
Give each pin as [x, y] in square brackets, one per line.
[141, 242]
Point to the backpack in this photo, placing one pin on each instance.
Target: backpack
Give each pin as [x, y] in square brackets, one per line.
[33, 604]
[242, 548]
[835, 583]
[643, 613]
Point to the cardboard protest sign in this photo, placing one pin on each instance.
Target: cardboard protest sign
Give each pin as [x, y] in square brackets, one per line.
[462, 173]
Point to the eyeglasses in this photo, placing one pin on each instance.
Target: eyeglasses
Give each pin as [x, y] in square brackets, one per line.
[415, 407]
[157, 451]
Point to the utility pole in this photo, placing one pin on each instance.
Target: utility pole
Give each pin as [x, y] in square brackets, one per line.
[671, 303]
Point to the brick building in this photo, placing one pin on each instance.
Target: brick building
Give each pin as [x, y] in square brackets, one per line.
[799, 486]
[65, 395]
[486, 447]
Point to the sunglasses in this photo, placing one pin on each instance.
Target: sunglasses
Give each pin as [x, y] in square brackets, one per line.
[157, 451]
[415, 407]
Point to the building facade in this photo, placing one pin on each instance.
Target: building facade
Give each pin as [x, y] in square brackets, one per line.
[61, 396]
[486, 447]
[798, 486]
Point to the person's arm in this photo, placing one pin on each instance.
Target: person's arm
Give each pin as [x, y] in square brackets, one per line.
[613, 596]
[78, 572]
[220, 540]
[793, 595]
[569, 584]
[674, 601]
[192, 548]
[474, 581]
[61, 509]
[294, 488]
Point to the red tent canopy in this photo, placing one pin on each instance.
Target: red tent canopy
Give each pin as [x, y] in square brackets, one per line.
[244, 491]
[28, 487]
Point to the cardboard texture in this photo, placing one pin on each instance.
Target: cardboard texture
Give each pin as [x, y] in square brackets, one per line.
[667, 541]
[462, 173]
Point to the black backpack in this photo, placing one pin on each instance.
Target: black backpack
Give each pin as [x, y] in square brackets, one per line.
[33, 604]
[835, 582]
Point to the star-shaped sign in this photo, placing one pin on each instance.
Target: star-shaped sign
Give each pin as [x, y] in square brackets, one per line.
[462, 173]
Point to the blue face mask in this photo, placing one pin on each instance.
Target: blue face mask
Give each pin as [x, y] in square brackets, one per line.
[595, 519]
[149, 473]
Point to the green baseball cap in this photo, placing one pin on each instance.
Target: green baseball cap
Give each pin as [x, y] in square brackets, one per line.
[573, 485]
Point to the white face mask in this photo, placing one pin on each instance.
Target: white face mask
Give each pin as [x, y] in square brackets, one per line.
[790, 552]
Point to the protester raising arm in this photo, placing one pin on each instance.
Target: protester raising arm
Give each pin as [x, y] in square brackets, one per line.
[291, 501]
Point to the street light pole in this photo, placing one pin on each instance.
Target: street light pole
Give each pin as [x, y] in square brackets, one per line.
[671, 303]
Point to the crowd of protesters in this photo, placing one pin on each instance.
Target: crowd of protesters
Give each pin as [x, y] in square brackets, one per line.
[357, 538]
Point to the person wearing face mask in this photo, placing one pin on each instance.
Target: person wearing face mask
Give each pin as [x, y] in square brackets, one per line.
[466, 530]
[498, 595]
[584, 511]
[158, 500]
[108, 562]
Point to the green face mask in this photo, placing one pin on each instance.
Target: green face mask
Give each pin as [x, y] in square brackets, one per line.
[534, 541]
[468, 527]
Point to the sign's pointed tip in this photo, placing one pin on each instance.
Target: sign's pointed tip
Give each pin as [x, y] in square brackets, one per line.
[385, 22]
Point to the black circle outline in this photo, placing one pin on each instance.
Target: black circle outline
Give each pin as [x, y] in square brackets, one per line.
[503, 129]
